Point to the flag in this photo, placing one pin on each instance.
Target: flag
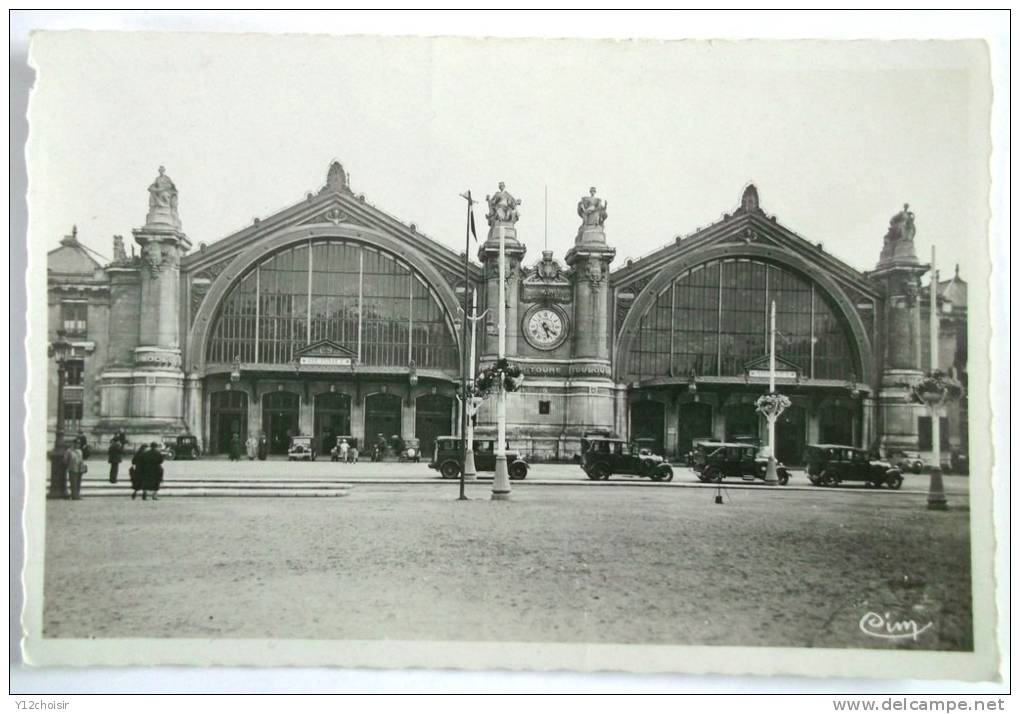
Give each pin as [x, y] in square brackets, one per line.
[471, 219]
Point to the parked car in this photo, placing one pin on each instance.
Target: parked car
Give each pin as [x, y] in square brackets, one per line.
[302, 448]
[714, 461]
[689, 456]
[446, 458]
[606, 456]
[411, 450]
[832, 464]
[907, 461]
[352, 442]
[180, 448]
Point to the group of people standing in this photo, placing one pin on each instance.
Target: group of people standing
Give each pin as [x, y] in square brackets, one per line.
[146, 467]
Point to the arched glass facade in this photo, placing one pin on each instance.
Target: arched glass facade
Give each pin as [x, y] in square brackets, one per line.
[355, 295]
[713, 319]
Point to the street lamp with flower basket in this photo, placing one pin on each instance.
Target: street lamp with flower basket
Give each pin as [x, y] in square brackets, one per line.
[935, 390]
[60, 350]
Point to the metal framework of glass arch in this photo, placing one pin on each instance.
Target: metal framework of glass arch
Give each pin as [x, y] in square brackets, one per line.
[713, 319]
[345, 291]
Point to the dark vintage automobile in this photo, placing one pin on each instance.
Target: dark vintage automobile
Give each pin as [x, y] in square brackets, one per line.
[302, 448]
[833, 464]
[689, 456]
[446, 458]
[604, 456]
[410, 451]
[907, 461]
[715, 461]
[180, 448]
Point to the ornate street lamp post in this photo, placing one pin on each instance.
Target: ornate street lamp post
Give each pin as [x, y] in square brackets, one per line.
[935, 390]
[60, 350]
[771, 405]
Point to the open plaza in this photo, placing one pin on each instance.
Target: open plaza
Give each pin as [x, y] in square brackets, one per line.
[387, 551]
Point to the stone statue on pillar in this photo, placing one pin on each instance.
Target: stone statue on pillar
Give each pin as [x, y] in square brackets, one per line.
[502, 207]
[898, 246]
[592, 211]
[163, 202]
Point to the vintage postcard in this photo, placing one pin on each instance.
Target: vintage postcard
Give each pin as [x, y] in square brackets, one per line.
[510, 354]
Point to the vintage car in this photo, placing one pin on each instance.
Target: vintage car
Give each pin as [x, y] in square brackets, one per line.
[410, 451]
[832, 464]
[689, 456]
[907, 461]
[605, 456]
[352, 442]
[301, 448]
[446, 458]
[714, 461]
[180, 448]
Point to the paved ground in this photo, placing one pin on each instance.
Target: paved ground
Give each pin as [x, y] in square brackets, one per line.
[650, 564]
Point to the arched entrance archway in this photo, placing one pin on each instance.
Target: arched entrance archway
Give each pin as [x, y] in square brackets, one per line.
[742, 423]
[382, 416]
[791, 432]
[433, 414]
[648, 421]
[695, 422]
[835, 424]
[332, 419]
[228, 415]
[280, 419]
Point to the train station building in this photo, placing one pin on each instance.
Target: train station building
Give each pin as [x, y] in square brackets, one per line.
[333, 317]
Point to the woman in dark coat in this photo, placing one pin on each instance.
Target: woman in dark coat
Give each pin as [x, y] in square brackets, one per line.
[152, 471]
[137, 468]
[263, 448]
[114, 454]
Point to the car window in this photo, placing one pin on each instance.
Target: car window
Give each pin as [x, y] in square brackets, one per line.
[617, 449]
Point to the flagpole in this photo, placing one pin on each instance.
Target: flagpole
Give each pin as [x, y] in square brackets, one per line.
[771, 475]
[470, 473]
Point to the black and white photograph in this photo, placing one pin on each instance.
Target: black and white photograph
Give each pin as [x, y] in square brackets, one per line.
[510, 353]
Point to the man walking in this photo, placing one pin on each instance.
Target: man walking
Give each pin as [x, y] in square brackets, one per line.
[114, 455]
[75, 465]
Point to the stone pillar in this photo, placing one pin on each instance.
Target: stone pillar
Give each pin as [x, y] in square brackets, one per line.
[158, 393]
[502, 216]
[899, 275]
[194, 407]
[589, 260]
[488, 254]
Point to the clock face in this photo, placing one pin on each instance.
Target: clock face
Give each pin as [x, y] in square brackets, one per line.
[545, 329]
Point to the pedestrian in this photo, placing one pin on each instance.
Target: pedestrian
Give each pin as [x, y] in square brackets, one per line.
[152, 471]
[344, 448]
[137, 468]
[263, 448]
[114, 455]
[235, 447]
[75, 465]
[352, 454]
[251, 446]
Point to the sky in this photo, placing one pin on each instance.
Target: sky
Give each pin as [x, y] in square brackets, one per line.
[836, 136]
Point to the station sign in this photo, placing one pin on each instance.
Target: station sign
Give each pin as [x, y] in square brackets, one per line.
[317, 361]
[764, 374]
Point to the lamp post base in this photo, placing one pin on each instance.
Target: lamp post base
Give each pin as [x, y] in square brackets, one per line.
[937, 492]
[469, 466]
[58, 476]
[500, 480]
[771, 475]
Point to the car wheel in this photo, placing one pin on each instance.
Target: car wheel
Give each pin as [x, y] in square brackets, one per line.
[713, 475]
[450, 469]
[894, 481]
[784, 477]
[170, 455]
[827, 479]
[665, 473]
[518, 471]
[599, 472]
